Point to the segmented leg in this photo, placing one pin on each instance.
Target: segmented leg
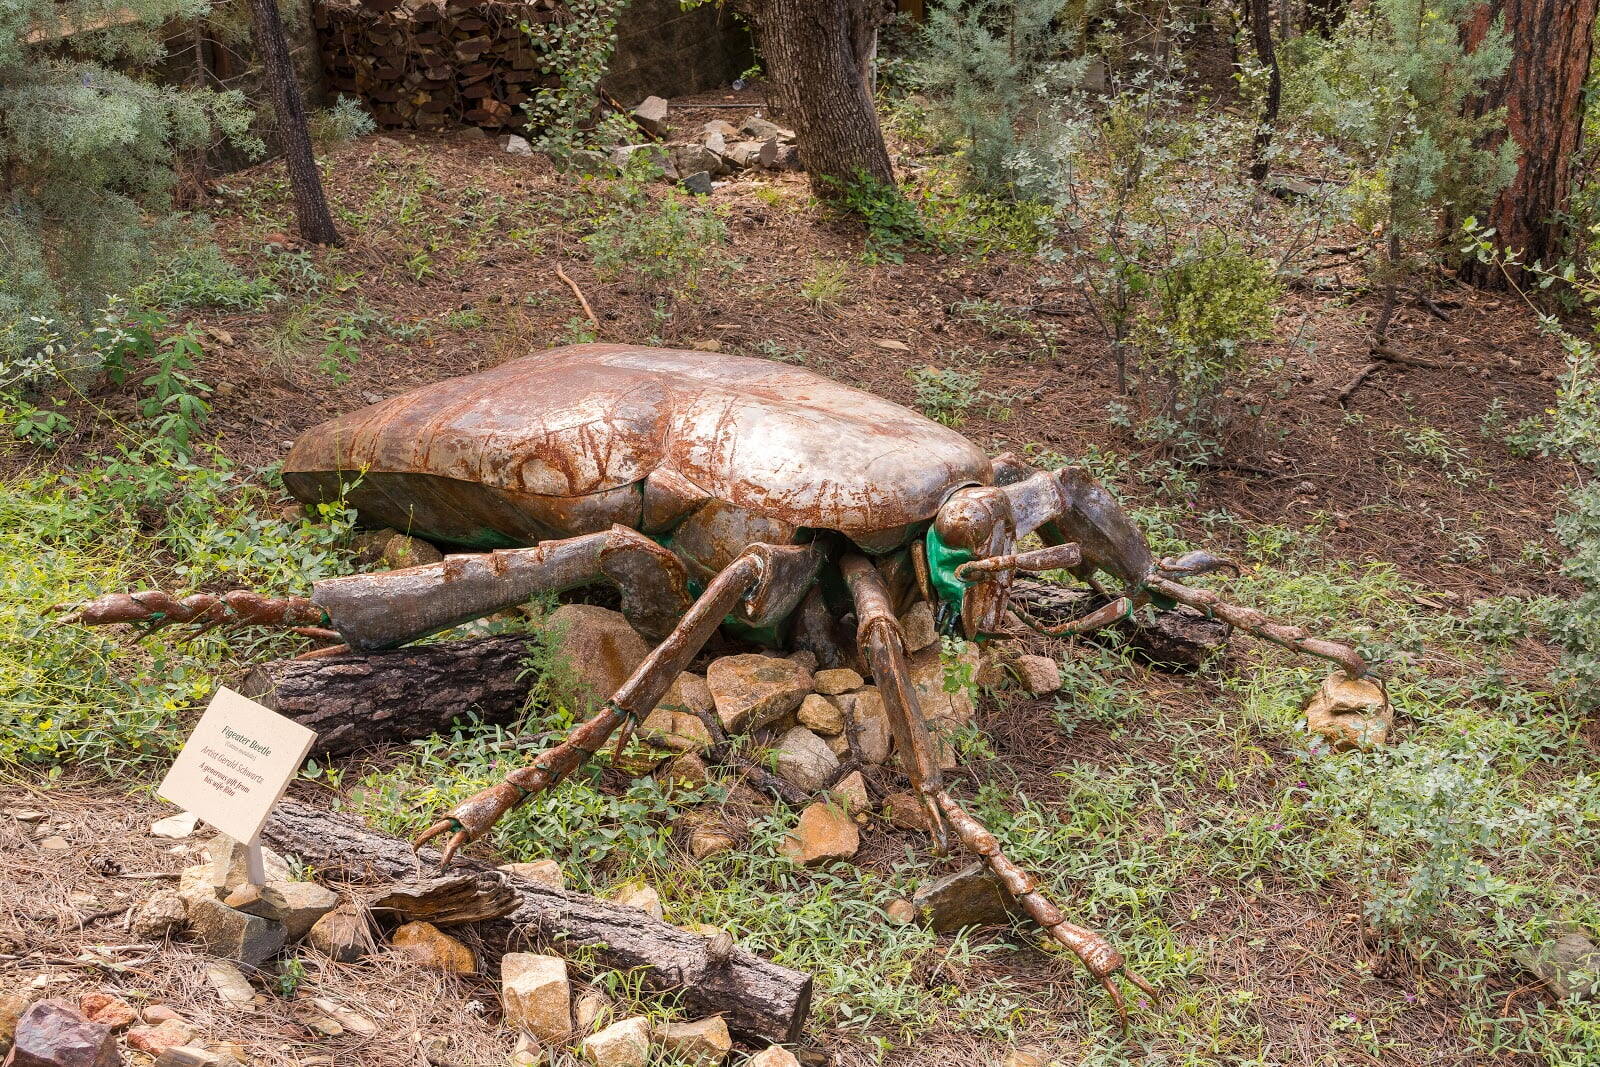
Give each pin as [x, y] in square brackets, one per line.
[156, 609]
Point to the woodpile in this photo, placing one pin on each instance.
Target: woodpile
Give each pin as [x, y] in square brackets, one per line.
[436, 63]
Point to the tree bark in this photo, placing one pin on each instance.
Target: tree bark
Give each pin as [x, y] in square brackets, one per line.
[1542, 91]
[358, 701]
[310, 205]
[760, 1000]
[819, 56]
[1261, 31]
[1322, 17]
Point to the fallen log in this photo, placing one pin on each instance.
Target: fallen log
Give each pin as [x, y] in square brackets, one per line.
[358, 701]
[760, 1000]
[1180, 639]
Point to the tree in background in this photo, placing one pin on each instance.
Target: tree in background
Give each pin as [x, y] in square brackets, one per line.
[1542, 94]
[87, 151]
[310, 205]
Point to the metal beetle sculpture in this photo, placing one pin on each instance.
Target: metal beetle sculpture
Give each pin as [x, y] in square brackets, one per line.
[713, 491]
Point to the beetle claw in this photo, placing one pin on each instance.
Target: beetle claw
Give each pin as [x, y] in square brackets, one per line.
[442, 826]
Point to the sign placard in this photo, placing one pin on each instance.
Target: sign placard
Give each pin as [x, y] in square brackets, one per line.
[236, 764]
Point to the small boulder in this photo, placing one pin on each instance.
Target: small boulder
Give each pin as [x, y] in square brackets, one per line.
[940, 692]
[824, 833]
[536, 996]
[821, 715]
[52, 1033]
[160, 914]
[690, 159]
[160, 1013]
[517, 146]
[643, 897]
[525, 1053]
[905, 812]
[707, 841]
[839, 680]
[622, 1044]
[12, 1005]
[431, 947]
[750, 691]
[851, 792]
[919, 626]
[718, 128]
[1352, 713]
[805, 761]
[159, 1038]
[235, 935]
[788, 158]
[761, 129]
[198, 883]
[687, 770]
[591, 1010]
[544, 872]
[1038, 674]
[681, 731]
[969, 897]
[773, 1056]
[873, 737]
[230, 856]
[297, 905]
[344, 934]
[599, 645]
[107, 1010]
[901, 912]
[230, 984]
[1569, 963]
[651, 115]
[698, 183]
[702, 1043]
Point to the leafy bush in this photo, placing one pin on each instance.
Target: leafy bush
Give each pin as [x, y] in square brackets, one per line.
[197, 275]
[665, 243]
[577, 49]
[344, 121]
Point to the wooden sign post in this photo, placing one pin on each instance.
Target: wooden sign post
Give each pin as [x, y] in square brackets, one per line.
[235, 766]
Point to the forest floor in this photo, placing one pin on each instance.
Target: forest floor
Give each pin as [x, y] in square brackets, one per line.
[1188, 815]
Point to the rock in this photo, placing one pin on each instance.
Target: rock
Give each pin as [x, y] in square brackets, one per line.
[707, 840]
[703, 1043]
[716, 142]
[905, 812]
[52, 1033]
[161, 1037]
[158, 915]
[297, 905]
[873, 737]
[688, 770]
[969, 897]
[346, 1018]
[772, 1056]
[993, 667]
[698, 183]
[824, 833]
[401, 552]
[1026, 1057]
[194, 1056]
[788, 158]
[160, 1013]
[651, 115]
[587, 162]
[517, 146]
[747, 153]
[234, 935]
[851, 792]
[344, 934]
[432, 947]
[643, 897]
[536, 996]
[805, 761]
[624, 155]
[939, 703]
[313, 1018]
[839, 745]
[681, 731]
[623, 1044]
[712, 345]
[1352, 713]
[821, 715]
[718, 128]
[919, 626]
[545, 872]
[600, 646]
[838, 680]
[12, 1005]
[177, 827]
[691, 159]
[231, 984]
[1039, 674]
[1569, 963]
[750, 691]
[227, 854]
[591, 1010]
[107, 1010]
[55, 843]
[762, 130]
[526, 1053]
[198, 883]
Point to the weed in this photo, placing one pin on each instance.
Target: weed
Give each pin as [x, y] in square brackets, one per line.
[826, 285]
[767, 348]
[664, 243]
[344, 121]
[199, 276]
[945, 394]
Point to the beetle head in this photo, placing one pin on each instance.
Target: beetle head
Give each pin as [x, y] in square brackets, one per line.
[973, 523]
[1091, 516]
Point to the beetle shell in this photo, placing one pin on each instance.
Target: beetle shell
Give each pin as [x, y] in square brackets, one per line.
[574, 439]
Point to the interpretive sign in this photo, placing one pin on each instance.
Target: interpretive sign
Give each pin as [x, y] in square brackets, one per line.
[236, 764]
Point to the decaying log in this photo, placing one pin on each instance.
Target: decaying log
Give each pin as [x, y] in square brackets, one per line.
[1181, 639]
[360, 700]
[760, 1000]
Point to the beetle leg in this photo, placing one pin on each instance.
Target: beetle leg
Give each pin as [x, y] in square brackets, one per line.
[743, 579]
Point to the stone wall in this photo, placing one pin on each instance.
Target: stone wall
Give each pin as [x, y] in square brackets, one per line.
[663, 50]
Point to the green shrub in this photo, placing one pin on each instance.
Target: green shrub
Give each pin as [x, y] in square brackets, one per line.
[198, 275]
[344, 121]
[663, 243]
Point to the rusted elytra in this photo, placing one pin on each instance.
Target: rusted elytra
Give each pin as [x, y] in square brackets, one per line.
[712, 491]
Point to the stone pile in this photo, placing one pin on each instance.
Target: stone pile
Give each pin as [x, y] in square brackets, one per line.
[717, 149]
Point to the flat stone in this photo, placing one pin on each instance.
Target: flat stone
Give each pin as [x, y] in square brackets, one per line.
[298, 905]
[839, 680]
[52, 1033]
[851, 792]
[160, 1013]
[194, 1056]
[107, 1010]
[932, 679]
[919, 626]
[177, 827]
[824, 833]
[347, 1018]
[1569, 963]
[344, 934]
[622, 1044]
[1039, 674]
[873, 737]
[643, 897]
[231, 984]
[235, 935]
[761, 129]
[905, 812]
[536, 996]
[651, 115]
[804, 760]
[432, 947]
[159, 915]
[1352, 713]
[718, 128]
[773, 1056]
[702, 1043]
[55, 843]
[698, 183]
[544, 872]
[821, 715]
[159, 1038]
[969, 897]
[517, 146]
[706, 841]
[750, 691]
[600, 647]
[1026, 1057]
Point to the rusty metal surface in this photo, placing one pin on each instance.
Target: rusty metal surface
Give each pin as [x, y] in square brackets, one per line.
[571, 422]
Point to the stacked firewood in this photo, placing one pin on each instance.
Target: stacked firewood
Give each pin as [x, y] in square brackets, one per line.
[436, 63]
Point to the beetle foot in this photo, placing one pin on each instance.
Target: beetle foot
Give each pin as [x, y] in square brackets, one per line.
[471, 819]
[1102, 961]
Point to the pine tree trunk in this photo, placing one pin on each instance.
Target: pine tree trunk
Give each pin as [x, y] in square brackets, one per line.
[819, 58]
[1324, 16]
[310, 206]
[1261, 31]
[1542, 92]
